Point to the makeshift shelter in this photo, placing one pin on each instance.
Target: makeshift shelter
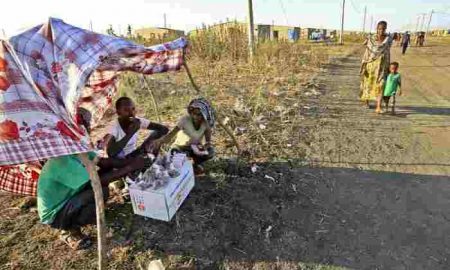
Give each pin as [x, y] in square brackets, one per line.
[46, 74]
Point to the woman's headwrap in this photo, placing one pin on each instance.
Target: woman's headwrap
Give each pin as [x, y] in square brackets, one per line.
[205, 108]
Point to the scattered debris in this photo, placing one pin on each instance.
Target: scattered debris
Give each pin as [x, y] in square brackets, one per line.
[267, 232]
[254, 168]
[294, 187]
[156, 265]
[241, 251]
[226, 120]
[240, 131]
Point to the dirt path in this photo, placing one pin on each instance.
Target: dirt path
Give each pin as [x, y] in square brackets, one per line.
[415, 140]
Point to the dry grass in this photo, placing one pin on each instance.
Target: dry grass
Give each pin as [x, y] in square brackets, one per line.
[261, 99]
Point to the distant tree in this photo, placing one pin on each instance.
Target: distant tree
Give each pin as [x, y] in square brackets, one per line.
[110, 31]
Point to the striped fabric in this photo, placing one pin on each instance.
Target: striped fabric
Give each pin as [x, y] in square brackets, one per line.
[49, 71]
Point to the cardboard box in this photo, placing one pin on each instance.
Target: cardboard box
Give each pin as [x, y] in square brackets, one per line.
[164, 202]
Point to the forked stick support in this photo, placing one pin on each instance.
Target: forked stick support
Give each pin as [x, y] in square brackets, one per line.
[100, 208]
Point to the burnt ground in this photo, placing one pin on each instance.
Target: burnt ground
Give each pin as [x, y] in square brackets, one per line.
[330, 216]
[373, 193]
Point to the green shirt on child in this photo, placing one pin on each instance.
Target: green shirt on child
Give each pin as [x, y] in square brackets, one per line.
[393, 81]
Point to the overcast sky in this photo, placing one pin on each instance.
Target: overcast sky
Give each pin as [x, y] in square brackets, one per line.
[18, 15]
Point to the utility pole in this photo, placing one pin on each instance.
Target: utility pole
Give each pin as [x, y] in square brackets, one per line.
[429, 23]
[371, 24]
[165, 21]
[90, 25]
[429, 20]
[423, 21]
[251, 30]
[4, 33]
[417, 23]
[341, 41]
[365, 15]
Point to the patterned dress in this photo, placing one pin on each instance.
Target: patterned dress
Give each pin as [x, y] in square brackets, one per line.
[374, 67]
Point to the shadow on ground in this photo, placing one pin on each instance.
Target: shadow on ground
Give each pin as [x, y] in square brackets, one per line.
[445, 111]
[283, 212]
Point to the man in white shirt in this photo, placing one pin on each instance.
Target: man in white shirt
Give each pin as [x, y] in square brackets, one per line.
[121, 142]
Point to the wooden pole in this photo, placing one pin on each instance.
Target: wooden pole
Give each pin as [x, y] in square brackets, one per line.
[417, 23]
[251, 30]
[371, 24]
[364, 21]
[423, 21]
[341, 41]
[100, 209]
[429, 23]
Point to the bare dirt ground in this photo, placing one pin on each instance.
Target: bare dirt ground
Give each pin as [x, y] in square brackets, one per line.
[372, 193]
[415, 140]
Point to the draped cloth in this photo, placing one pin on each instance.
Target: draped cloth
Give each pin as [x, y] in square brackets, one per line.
[374, 66]
[51, 70]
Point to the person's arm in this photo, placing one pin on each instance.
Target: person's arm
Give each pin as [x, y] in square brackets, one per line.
[114, 147]
[208, 136]
[158, 130]
[365, 41]
[167, 138]
[136, 164]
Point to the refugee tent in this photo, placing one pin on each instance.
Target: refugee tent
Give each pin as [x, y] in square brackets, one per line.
[46, 74]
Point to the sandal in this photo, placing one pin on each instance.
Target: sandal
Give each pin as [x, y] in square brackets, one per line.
[75, 240]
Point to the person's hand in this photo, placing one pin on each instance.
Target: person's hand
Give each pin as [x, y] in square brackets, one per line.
[153, 146]
[138, 164]
[158, 143]
[134, 126]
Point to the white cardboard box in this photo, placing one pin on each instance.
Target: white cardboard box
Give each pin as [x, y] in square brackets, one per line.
[164, 202]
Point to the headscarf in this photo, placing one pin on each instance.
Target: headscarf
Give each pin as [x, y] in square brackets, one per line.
[205, 108]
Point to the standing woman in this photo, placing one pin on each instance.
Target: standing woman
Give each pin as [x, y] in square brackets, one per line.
[375, 66]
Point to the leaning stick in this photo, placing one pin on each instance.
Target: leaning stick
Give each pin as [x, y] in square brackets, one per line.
[155, 105]
[100, 207]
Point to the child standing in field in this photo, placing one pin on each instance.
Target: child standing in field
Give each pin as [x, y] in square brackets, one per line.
[393, 83]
